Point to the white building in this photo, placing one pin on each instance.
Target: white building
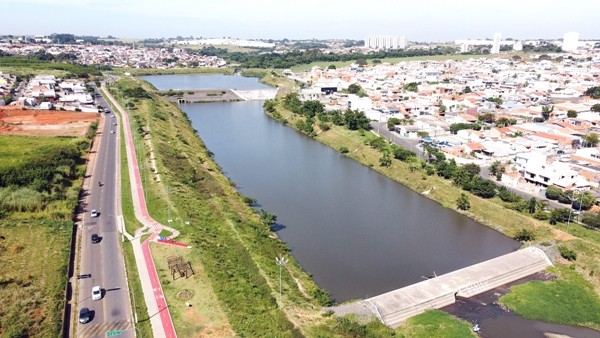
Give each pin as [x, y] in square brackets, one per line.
[570, 41]
[385, 42]
[496, 44]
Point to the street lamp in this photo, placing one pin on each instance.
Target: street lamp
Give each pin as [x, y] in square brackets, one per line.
[280, 261]
[571, 209]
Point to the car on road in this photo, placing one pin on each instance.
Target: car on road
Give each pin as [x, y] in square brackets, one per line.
[95, 238]
[84, 315]
[94, 213]
[112, 131]
[96, 293]
[106, 110]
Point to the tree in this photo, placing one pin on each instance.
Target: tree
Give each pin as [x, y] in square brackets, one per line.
[591, 218]
[402, 154]
[484, 188]
[591, 139]
[507, 195]
[361, 62]
[443, 108]
[331, 67]
[411, 87]
[546, 112]
[467, 90]
[392, 122]
[566, 197]
[354, 88]
[584, 201]
[532, 205]
[312, 108]
[559, 215]
[553, 192]
[594, 92]
[495, 167]
[571, 113]
[462, 203]
[8, 99]
[269, 106]
[385, 160]
[595, 108]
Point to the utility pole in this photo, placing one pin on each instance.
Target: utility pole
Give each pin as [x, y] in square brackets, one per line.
[280, 261]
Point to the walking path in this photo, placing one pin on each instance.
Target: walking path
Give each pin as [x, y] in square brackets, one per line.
[158, 311]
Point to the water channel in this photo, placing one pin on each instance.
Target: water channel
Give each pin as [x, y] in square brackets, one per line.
[356, 231]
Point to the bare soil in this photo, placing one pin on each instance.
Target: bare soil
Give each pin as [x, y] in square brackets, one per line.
[45, 122]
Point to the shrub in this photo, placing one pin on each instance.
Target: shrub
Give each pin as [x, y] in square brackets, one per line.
[524, 235]
[462, 202]
[553, 192]
[567, 253]
[591, 218]
[344, 150]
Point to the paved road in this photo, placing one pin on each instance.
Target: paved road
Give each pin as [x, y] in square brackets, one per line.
[410, 144]
[162, 325]
[103, 261]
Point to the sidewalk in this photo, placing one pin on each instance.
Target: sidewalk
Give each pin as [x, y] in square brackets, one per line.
[162, 325]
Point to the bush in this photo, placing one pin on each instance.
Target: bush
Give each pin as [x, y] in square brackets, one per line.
[524, 235]
[591, 218]
[344, 150]
[567, 253]
[462, 203]
[553, 192]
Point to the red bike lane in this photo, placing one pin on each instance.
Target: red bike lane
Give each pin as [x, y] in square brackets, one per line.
[163, 310]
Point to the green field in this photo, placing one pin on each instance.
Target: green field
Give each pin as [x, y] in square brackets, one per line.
[32, 286]
[569, 300]
[16, 150]
[435, 324]
[338, 64]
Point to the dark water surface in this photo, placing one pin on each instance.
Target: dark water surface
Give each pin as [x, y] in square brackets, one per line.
[357, 232]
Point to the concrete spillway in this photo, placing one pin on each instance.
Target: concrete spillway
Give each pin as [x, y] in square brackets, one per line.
[256, 94]
[395, 306]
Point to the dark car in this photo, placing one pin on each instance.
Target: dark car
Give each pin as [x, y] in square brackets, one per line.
[84, 315]
[95, 238]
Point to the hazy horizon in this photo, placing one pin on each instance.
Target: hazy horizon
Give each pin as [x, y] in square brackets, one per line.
[427, 20]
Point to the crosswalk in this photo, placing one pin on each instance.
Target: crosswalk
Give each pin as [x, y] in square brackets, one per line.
[101, 329]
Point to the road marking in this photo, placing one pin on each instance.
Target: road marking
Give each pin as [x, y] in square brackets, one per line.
[101, 328]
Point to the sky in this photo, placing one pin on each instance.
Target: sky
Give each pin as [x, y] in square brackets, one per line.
[420, 20]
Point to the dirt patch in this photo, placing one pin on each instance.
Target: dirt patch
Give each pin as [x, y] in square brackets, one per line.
[185, 294]
[45, 122]
[561, 235]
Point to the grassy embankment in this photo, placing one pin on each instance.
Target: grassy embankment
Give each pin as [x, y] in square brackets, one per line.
[568, 300]
[271, 78]
[227, 231]
[40, 180]
[170, 71]
[338, 64]
[490, 212]
[232, 249]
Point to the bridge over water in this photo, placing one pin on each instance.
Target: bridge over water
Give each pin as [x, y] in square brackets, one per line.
[395, 306]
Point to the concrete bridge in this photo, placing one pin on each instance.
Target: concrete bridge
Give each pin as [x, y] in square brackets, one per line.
[395, 306]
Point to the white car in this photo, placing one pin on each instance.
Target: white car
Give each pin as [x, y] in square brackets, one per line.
[94, 213]
[96, 293]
